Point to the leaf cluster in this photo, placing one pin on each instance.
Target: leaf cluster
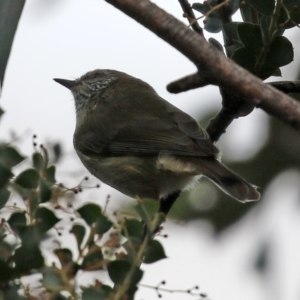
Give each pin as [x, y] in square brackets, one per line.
[257, 44]
[103, 244]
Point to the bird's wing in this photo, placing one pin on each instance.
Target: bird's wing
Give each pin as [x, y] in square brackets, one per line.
[169, 130]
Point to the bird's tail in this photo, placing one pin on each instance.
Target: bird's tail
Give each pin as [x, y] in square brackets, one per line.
[228, 181]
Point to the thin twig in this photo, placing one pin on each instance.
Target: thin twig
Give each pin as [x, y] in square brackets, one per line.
[188, 11]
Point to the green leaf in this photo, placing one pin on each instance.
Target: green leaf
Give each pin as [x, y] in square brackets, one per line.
[9, 156]
[5, 175]
[232, 38]
[52, 279]
[134, 228]
[250, 36]
[93, 260]
[277, 72]
[118, 270]
[38, 161]
[265, 7]
[45, 219]
[281, 52]
[203, 8]
[29, 235]
[230, 30]
[103, 224]
[27, 258]
[10, 292]
[90, 212]
[64, 255]
[28, 179]
[4, 196]
[5, 273]
[147, 209]
[50, 175]
[289, 15]
[93, 293]
[212, 22]
[267, 70]
[57, 151]
[247, 12]
[79, 232]
[234, 5]
[216, 43]
[17, 220]
[245, 59]
[154, 252]
[10, 12]
[1, 110]
[45, 192]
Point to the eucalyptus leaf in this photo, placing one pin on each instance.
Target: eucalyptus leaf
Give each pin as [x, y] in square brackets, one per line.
[281, 52]
[103, 224]
[50, 174]
[9, 156]
[154, 252]
[245, 59]
[38, 161]
[92, 293]
[5, 175]
[289, 15]
[79, 231]
[250, 36]
[93, 260]
[90, 212]
[45, 192]
[53, 279]
[4, 196]
[265, 7]
[16, 220]
[28, 179]
[27, 258]
[118, 270]
[45, 219]
[247, 12]
[147, 209]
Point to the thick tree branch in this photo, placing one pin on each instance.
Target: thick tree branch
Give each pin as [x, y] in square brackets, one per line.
[213, 64]
[195, 81]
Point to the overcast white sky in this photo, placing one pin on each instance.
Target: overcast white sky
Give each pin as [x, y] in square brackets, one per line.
[67, 38]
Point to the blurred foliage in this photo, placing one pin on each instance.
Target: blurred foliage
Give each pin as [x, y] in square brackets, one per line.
[10, 13]
[116, 246]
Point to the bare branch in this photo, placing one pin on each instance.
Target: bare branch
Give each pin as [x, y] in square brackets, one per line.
[286, 86]
[188, 11]
[187, 83]
[211, 62]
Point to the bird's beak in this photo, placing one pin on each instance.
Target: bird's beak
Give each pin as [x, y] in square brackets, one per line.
[69, 84]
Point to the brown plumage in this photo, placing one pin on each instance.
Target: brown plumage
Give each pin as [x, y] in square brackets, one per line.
[140, 144]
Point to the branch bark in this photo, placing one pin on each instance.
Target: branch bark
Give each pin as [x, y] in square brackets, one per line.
[213, 65]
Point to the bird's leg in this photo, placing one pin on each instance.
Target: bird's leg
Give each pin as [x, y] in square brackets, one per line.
[167, 202]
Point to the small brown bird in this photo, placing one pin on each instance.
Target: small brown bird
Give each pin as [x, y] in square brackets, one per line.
[133, 140]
